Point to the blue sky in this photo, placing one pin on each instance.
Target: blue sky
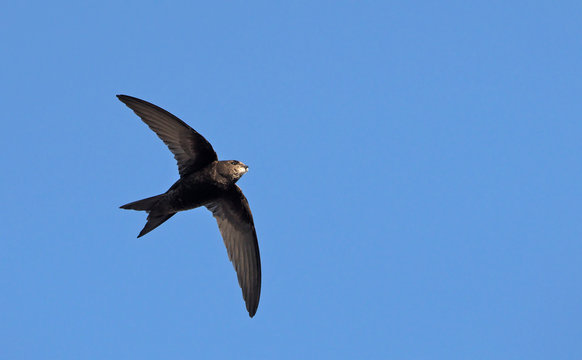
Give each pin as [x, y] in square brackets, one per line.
[415, 172]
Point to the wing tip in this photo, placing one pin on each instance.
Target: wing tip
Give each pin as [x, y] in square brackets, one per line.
[123, 98]
[252, 306]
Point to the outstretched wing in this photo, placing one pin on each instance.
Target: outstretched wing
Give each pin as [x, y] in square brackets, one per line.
[235, 221]
[191, 150]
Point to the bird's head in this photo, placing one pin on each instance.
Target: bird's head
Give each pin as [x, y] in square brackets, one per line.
[232, 169]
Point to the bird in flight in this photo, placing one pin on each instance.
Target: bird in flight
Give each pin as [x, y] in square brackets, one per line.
[204, 181]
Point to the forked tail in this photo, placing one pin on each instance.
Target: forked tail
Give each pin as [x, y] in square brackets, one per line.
[155, 210]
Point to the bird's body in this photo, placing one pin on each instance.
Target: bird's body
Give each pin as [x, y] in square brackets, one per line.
[195, 190]
[204, 181]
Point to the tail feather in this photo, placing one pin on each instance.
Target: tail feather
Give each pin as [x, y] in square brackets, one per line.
[154, 220]
[155, 210]
[144, 204]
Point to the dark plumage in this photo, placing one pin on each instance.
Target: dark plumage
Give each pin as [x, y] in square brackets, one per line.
[204, 181]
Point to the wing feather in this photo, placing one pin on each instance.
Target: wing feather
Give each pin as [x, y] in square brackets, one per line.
[235, 221]
[191, 150]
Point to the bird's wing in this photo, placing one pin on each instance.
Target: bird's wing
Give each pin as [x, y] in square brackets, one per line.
[191, 150]
[235, 221]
